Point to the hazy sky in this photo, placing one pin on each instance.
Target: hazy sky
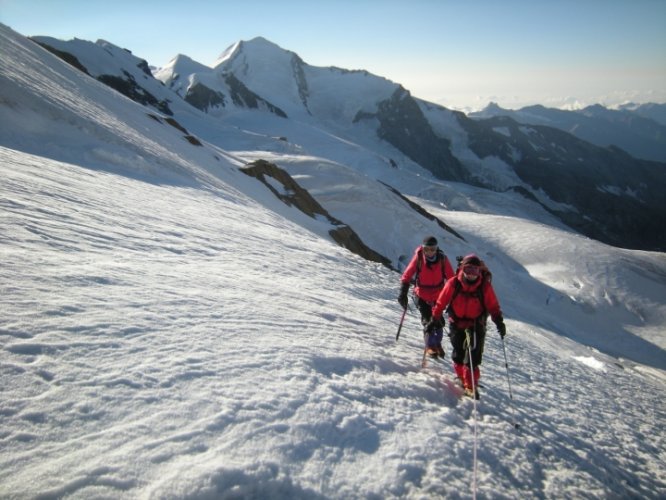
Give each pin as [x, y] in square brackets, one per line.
[459, 53]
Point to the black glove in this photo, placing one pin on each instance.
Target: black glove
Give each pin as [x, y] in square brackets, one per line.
[402, 298]
[501, 327]
[432, 325]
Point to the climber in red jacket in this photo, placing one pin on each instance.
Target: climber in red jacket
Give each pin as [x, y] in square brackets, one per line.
[468, 299]
[431, 268]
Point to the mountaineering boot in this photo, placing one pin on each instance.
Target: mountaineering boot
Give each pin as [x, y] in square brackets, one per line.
[470, 393]
[458, 368]
[467, 376]
[432, 352]
[431, 344]
[434, 342]
[471, 381]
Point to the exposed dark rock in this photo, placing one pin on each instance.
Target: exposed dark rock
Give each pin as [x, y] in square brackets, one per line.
[203, 98]
[126, 86]
[129, 88]
[301, 81]
[193, 140]
[143, 66]
[422, 211]
[65, 56]
[402, 124]
[242, 96]
[612, 197]
[175, 124]
[188, 137]
[295, 195]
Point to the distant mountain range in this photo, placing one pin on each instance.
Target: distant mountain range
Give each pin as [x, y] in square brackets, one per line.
[638, 129]
[571, 163]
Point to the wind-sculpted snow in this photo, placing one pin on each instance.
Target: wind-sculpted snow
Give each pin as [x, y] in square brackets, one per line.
[161, 341]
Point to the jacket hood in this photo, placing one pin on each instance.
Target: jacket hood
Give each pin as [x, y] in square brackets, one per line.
[466, 286]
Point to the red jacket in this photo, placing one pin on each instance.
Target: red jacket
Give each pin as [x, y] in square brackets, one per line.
[466, 306]
[431, 278]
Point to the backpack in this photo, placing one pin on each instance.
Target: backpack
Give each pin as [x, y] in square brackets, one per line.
[486, 277]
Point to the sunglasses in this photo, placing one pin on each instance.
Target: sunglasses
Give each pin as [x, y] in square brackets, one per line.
[471, 270]
[430, 249]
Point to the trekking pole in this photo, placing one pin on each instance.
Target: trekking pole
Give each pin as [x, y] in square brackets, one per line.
[508, 379]
[397, 336]
[471, 369]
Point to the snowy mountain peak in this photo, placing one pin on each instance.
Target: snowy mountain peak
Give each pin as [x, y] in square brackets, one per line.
[258, 49]
[228, 53]
[180, 66]
[182, 62]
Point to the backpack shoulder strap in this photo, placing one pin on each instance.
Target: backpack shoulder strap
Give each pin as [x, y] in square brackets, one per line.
[444, 259]
[456, 291]
[419, 255]
[485, 279]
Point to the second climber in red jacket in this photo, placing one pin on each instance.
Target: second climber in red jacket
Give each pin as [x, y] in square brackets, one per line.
[430, 268]
[468, 299]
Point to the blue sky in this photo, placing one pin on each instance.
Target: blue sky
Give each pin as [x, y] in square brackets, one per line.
[460, 53]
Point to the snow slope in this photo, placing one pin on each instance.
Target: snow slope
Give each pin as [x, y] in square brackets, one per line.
[171, 330]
